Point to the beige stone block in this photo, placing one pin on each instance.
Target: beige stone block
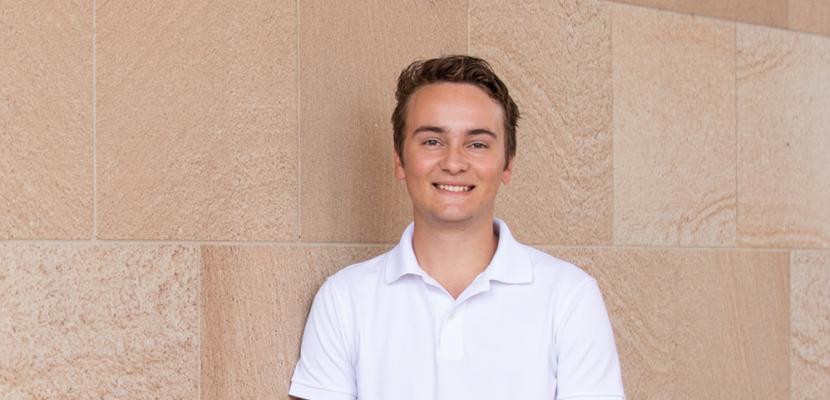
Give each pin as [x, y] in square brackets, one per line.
[783, 138]
[695, 324]
[196, 120]
[763, 12]
[810, 313]
[82, 321]
[555, 56]
[674, 129]
[810, 15]
[255, 301]
[46, 120]
[350, 58]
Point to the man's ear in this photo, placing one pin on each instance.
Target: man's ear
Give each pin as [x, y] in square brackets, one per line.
[399, 172]
[505, 175]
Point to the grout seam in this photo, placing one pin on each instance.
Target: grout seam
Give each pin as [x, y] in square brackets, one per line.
[654, 247]
[468, 25]
[737, 153]
[613, 11]
[192, 243]
[199, 305]
[791, 258]
[94, 132]
[199, 243]
[299, 234]
[790, 332]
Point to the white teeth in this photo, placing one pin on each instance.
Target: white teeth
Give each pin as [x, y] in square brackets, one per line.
[450, 188]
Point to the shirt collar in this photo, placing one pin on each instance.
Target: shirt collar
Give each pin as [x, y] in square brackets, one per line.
[510, 263]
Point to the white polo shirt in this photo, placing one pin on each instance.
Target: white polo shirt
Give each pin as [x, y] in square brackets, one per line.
[530, 326]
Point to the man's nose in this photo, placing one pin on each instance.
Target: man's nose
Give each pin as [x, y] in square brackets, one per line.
[454, 160]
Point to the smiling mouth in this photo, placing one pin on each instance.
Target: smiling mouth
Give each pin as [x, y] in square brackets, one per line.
[453, 188]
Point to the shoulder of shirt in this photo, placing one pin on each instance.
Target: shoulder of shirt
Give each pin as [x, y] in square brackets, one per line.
[547, 268]
[353, 274]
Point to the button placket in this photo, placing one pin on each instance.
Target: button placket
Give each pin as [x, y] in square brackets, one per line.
[451, 346]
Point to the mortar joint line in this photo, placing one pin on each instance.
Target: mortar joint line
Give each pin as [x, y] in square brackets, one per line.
[737, 153]
[469, 6]
[297, 126]
[199, 243]
[199, 311]
[94, 128]
[612, 11]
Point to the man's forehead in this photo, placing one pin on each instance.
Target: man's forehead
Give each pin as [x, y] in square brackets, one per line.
[453, 101]
[449, 88]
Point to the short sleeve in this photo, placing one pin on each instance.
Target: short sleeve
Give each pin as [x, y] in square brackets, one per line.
[588, 366]
[325, 370]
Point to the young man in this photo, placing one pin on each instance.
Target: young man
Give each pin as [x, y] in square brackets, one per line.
[458, 309]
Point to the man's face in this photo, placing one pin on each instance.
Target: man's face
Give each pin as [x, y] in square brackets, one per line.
[453, 153]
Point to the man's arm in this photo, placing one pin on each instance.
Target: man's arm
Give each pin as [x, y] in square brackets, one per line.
[325, 369]
[588, 366]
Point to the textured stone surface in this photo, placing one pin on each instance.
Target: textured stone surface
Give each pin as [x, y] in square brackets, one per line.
[350, 58]
[197, 116]
[255, 302]
[764, 12]
[696, 324]
[783, 138]
[810, 15]
[46, 120]
[674, 129]
[556, 59]
[86, 321]
[810, 313]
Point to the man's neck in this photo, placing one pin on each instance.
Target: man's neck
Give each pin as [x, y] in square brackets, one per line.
[454, 254]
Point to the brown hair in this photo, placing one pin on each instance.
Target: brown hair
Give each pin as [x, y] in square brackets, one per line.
[457, 69]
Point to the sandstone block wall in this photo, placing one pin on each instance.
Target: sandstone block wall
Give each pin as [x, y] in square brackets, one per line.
[178, 177]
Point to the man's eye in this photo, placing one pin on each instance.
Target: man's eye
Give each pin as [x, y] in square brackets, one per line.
[431, 142]
[479, 145]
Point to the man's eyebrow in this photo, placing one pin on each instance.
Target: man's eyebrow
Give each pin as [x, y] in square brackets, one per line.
[482, 131]
[429, 128]
[442, 130]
